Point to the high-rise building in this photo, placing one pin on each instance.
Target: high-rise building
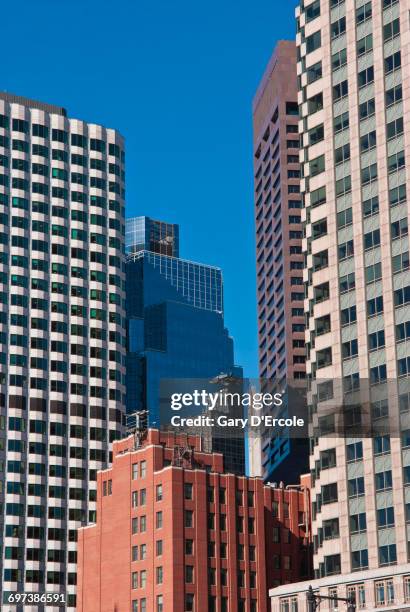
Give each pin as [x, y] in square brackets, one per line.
[176, 532]
[176, 326]
[62, 335]
[353, 69]
[279, 259]
[145, 234]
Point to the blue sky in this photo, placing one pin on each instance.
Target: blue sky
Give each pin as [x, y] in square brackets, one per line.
[177, 79]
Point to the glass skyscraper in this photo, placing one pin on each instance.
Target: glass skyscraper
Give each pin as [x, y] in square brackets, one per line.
[175, 318]
[143, 233]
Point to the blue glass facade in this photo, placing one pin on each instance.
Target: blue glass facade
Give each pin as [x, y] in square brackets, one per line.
[146, 234]
[175, 325]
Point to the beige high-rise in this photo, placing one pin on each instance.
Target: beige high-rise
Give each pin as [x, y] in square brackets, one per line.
[354, 96]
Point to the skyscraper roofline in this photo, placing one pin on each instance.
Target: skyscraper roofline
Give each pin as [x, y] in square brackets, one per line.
[139, 254]
[48, 108]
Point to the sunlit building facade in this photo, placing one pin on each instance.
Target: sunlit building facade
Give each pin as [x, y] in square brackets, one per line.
[176, 331]
[353, 72]
[279, 259]
[62, 335]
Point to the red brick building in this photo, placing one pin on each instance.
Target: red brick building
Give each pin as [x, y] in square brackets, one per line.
[174, 533]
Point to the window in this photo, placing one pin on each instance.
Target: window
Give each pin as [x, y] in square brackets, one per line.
[375, 306]
[387, 554]
[189, 574]
[364, 12]
[349, 349]
[320, 260]
[393, 95]
[394, 128]
[189, 602]
[134, 471]
[160, 602]
[369, 174]
[292, 108]
[159, 520]
[396, 161]
[324, 358]
[344, 218]
[189, 547]
[332, 565]
[360, 559]
[158, 548]
[143, 469]
[376, 340]
[319, 229]
[354, 451]
[313, 42]
[143, 579]
[372, 239]
[340, 90]
[288, 604]
[397, 195]
[406, 589]
[345, 250]
[402, 296]
[368, 141]
[403, 366]
[318, 197]
[314, 73]
[356, 486]
[134, 580]
[365, 77]
[134, 499]
[378, 374]
[189, 518]
[143, 524]
[337, 28]
[399, 228]
[342, 154]
[330, 529]
[315, 103]
[403, 331]
[400, 262]
[159, 492]
[357, 523]
[381, 445]
[392, 62]
[322, 325]
[316, 134]
[329, 493]
[367, 109]
[312, 11]
[343, 185]
[383, 480]
[341, 122]
[159, 574]
[385, 517]
[365, 44]
[321, 293]
[347, 282]
[384, 591]
[391, 29]
[188, 490]
[339, 59]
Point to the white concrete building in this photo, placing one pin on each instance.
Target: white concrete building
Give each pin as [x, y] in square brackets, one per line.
[62, 335]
